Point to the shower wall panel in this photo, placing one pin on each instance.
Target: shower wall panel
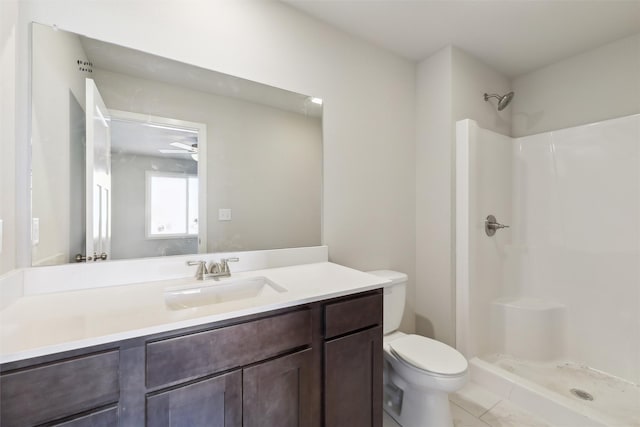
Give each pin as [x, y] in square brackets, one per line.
[576, 235]
[483, 187]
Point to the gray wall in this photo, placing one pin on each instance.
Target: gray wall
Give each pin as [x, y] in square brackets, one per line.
[599, 84]
[263, 163]
[8, 21]
[57, 120]
[451, 85]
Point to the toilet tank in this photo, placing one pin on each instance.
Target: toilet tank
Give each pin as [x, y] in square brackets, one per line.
[394, 298]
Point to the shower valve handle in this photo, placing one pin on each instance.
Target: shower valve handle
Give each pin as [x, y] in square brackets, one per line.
[491, 225]
[496, 225]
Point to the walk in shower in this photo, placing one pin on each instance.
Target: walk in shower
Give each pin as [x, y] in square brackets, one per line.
[548, 309]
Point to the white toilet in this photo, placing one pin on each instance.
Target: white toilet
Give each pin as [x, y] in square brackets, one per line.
[419, 373]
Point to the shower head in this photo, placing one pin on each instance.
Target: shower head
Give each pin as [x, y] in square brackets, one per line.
[503, 100]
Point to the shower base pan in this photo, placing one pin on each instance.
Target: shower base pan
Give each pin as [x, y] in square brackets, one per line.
[563, 393]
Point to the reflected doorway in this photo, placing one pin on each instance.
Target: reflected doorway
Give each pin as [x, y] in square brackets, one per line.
[158, 168]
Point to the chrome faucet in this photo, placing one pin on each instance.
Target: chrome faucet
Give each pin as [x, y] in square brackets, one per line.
[215, 271]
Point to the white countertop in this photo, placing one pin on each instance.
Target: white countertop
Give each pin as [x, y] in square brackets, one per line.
[43, 324]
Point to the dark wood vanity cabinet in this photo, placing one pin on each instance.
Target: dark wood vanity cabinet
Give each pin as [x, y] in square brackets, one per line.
[309, 366]
[272, 393]
[353, 362]
[215, 402]
[52, 391]
[258, 374]
[98, 418]
[278, 392]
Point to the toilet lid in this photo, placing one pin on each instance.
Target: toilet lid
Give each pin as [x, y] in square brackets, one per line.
[429, 355]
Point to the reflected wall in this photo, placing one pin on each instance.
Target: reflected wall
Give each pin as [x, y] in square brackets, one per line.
[262, 150]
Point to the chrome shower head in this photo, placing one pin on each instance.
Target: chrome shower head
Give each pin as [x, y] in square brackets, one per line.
[503, 100]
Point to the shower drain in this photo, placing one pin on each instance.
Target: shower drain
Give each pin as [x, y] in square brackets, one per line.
[581, 394]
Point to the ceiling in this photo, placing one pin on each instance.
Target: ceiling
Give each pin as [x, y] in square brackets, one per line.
[139, 138]
[512, 36]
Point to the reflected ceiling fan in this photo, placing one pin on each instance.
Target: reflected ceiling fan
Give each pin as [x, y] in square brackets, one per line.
[182, 148]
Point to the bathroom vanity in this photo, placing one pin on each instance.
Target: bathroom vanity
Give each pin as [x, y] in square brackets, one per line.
[315, 363]
[137, 340]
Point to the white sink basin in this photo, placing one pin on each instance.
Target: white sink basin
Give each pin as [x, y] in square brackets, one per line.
[212, 292]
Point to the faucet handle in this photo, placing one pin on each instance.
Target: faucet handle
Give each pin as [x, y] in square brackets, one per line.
[224, 266]
[202, 268]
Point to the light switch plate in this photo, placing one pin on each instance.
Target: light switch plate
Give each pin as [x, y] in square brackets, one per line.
[224, 214]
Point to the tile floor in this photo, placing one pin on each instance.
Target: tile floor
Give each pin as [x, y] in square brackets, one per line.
[474, 406]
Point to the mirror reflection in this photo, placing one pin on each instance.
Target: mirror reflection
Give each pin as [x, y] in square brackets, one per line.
[159, 159]
[135, 155]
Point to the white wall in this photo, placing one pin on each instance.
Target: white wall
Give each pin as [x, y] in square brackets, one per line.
[450, 87]
[600, 84]
[8, 19]
[368, 122]
[263, 163]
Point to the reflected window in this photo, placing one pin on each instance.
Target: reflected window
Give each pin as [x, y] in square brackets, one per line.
[172, 205]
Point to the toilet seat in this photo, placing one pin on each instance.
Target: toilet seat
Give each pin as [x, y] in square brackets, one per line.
[428, 355]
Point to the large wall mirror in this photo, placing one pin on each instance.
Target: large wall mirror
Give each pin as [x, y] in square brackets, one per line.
[135, 155]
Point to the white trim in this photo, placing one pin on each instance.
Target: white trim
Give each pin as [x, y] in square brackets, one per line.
[464, 131]
[23, 132]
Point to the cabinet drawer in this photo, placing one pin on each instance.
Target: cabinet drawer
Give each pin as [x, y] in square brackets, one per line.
[104, 418]
[353, 314]
[217, 350]
[49, 392]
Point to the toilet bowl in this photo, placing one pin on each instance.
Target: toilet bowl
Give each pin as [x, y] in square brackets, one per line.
[424, 372]
[419, 372]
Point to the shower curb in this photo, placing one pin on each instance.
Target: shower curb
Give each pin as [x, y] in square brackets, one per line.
[554, 408]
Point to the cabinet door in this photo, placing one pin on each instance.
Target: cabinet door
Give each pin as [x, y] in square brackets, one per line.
[215, 402]
[353, 380]
[278, 393]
